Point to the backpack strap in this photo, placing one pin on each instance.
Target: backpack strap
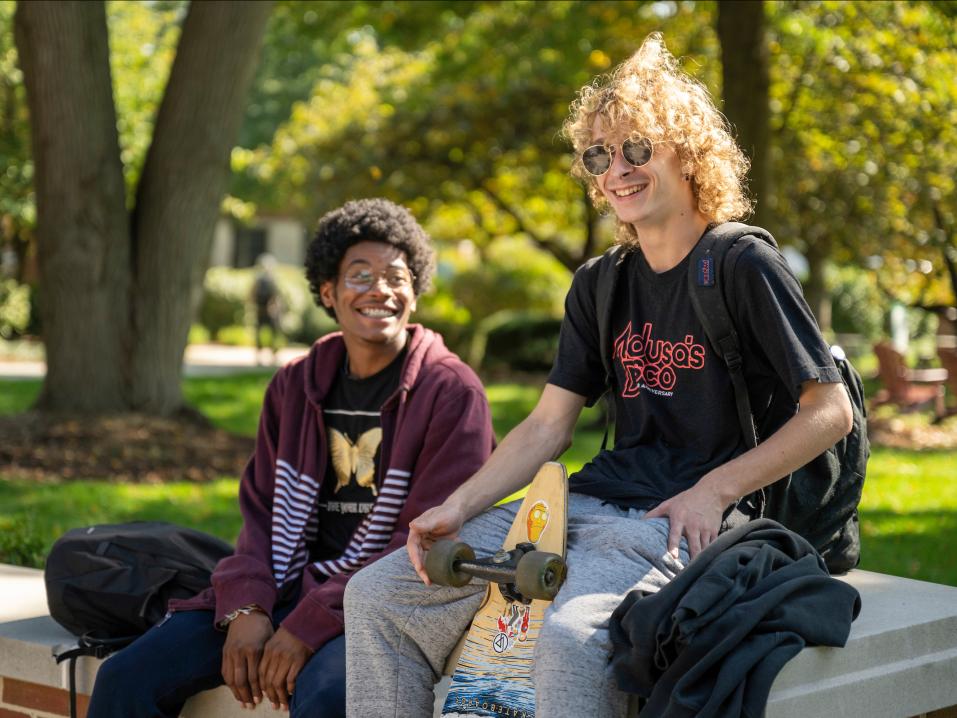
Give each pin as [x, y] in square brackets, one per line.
[710, 285]
[609, 267]
[87, 645]
[608, 271]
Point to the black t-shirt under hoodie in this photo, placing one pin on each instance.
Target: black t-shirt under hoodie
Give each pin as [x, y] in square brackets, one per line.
[351, 413]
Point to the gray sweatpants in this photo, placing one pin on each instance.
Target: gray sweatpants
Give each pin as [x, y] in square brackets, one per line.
[400, 631]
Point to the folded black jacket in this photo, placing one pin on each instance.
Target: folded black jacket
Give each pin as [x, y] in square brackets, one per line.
[712, 641]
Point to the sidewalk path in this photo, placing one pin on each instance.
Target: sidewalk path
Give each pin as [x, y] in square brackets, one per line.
[199, 360]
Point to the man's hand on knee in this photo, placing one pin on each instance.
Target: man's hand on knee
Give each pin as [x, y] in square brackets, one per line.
[283, 658]
[695, 513]
[242, 653]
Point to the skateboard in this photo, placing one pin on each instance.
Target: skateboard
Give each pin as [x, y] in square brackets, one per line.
[493, 672]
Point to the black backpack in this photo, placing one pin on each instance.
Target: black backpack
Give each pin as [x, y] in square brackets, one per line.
[818, 500]
[114, 580]
[108, 584]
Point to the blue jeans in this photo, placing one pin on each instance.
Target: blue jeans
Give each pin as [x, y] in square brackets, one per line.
[153, 677]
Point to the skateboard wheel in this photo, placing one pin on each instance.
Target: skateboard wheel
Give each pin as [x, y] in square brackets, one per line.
[540, 574]
[441, 559]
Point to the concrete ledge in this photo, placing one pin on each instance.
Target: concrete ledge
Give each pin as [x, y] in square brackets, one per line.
[900, 661]
[34, 686]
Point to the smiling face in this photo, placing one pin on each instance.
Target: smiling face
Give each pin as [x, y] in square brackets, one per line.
[375, 318]
[645, 196]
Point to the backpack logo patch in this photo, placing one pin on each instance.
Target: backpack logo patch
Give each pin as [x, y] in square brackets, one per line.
[706, 272]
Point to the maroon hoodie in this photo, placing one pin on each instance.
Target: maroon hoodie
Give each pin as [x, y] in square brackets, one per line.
[436, 432]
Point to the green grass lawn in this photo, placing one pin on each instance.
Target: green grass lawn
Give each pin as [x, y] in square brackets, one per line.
[908, 513]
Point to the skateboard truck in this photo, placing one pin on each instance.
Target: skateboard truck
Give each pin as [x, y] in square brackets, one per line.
[522, 574]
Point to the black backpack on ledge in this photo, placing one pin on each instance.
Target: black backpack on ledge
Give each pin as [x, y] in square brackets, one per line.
[110, 583]
[818, 500]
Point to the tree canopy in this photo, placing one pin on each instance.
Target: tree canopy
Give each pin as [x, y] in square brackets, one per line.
[454, 109]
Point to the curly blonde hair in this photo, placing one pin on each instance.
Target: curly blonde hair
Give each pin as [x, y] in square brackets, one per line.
[651, 94]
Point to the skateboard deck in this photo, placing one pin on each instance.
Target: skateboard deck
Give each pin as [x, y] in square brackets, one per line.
[493, 676]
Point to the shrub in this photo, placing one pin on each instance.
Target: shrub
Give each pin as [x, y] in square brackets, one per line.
[198, 334]
[15, 308]
[857, 306]
[225, 295]
[514, 276]
[518, 341]
[20, 544]
[236, 335]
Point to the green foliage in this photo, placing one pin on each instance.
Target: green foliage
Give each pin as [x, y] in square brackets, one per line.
[426, 115]
[516, 341]
[236, 335]
[510, 275]
[14, 308]
[226, 293]
[857, 304]
[20, 542]
[864, 132]
[143, 38]
[198, 334]
[17, 209]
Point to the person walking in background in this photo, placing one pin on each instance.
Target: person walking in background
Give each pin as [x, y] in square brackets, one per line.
[377, 424]
[267, 303]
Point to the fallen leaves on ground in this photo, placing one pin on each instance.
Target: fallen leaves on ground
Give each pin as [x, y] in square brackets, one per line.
[120, 447]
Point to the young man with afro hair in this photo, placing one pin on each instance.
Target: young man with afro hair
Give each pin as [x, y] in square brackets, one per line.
[653, 149]
[377, 424]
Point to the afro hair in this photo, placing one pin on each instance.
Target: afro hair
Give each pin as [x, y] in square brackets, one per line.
[367, 220]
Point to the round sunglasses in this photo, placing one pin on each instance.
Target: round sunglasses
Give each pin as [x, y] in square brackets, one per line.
[598, 158]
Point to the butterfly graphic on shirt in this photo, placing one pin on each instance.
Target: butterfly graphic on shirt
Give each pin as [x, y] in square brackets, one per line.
[357, 459]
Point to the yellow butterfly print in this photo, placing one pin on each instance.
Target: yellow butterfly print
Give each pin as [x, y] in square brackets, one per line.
[358, 458]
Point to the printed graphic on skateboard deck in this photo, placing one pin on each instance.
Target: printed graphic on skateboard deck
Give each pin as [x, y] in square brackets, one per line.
[493, 676]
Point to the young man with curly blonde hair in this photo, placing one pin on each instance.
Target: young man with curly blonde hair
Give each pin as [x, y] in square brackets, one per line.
[655, 151]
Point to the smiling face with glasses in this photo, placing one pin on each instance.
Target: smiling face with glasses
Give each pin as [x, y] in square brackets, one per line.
[641, 179]
[598, 159]
[373, 296]
[362, 278]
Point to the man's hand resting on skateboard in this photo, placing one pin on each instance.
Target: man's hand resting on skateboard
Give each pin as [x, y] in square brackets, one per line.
[444, 521]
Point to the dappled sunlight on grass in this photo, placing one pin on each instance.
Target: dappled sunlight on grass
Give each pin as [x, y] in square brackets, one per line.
[48, 510]
[18, 396]
[917, 544]
[909, 514]
[232, 403]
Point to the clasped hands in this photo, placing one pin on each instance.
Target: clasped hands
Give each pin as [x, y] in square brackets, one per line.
[257, 660]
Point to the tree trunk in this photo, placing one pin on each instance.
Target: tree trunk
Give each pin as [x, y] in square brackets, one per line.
[183, 182]
[744, 59]
[815, 288]
[116, 291]
[82, 225]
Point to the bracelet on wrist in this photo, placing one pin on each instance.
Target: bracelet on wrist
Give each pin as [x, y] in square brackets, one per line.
[242, 611]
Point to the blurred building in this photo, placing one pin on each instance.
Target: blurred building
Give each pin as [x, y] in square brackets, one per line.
[238, 245]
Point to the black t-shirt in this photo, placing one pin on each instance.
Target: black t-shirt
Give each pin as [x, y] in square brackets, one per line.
[351, 413]
[675, 411]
